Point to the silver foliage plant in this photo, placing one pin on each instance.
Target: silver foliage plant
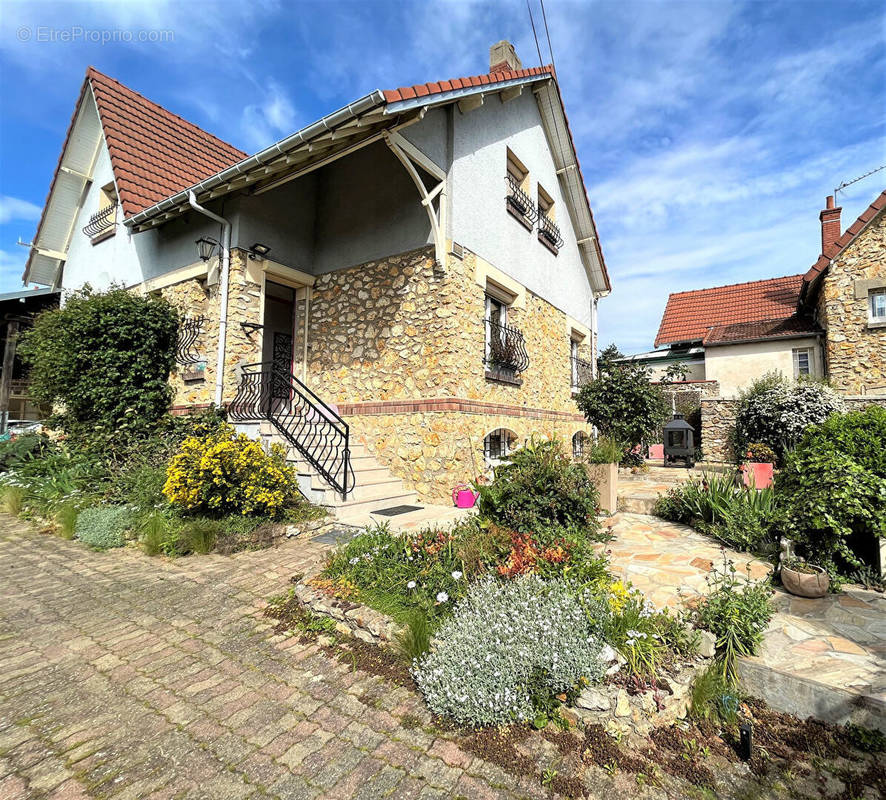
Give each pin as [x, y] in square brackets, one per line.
[501, 640]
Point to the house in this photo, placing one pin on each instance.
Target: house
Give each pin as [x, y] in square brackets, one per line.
[17, 311]
[402, 291]
[829, 322]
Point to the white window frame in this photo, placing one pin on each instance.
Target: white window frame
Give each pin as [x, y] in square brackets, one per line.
[796, 353]
[874, 296]
[493, 301]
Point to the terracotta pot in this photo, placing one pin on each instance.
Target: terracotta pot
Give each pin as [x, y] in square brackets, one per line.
[757, 474]
[805, 584]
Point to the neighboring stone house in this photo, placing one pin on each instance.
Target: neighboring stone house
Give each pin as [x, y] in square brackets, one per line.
[845, 290]
[827, 323]
[420, 268]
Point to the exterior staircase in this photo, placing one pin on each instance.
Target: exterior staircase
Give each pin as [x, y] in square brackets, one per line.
[375, 487]
[637, 492]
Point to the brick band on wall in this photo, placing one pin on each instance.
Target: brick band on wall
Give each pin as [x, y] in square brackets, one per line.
[453, 404]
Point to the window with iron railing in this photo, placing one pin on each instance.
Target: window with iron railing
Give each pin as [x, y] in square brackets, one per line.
[517, 198]
[103, 222]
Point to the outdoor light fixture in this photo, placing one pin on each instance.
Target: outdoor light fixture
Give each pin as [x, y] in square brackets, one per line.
[205, 248]
[251, 327]
[259, 251]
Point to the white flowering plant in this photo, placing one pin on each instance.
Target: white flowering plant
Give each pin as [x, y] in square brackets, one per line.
[513, 651]
[776, 411]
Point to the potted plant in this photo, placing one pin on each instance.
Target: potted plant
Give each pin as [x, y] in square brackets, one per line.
[601, 463]
[803, 579]
[757, 470]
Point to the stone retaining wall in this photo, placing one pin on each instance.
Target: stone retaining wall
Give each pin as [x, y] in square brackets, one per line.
[718, 422]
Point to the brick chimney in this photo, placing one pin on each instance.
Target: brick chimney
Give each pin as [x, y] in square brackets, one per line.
[503, 58]
[830, 225]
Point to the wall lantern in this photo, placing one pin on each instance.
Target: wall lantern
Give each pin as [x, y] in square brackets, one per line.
[259, 251]
[205, 248]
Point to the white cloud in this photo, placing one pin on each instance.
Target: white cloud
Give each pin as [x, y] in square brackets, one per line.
[270, 119]
[13, 208]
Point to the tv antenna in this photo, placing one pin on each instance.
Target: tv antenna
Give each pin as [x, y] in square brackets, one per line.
[855, 180]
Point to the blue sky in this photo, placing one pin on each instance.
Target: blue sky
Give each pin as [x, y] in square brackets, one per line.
[709, 132]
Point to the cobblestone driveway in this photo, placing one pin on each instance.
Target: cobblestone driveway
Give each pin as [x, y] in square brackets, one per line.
[128, 677]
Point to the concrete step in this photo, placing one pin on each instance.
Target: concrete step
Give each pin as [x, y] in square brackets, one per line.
[636, 505]
[365, 491]
[428, 515]
[349, 508]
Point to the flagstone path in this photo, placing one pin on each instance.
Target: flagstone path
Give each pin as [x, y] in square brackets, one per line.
[825, 657]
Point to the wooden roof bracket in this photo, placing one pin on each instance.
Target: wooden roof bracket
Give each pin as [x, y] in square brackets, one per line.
[410, 156]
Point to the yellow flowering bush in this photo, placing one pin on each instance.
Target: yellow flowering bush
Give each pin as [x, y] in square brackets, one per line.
[618, 597]
[225, 472]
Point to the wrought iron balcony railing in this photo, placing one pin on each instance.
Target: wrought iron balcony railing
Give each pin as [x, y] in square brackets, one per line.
[506, 348]
[519, 201]
[549, 231]
[303, 419]
[188, 333]
[101, 221]
[582, 372]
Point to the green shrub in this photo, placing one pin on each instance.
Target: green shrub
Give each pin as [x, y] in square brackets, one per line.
[621, 401]
[737, 612]
[540, 488]
[105, 357]
[154, 532]
[103, 527]
[712, 697]
[414, 640]
[66, 518]
[508, 650]
[832, 490]
[606, 450]
[23, 449]
[741, 518]
[198, 536]
[13, 498]
[775, 411]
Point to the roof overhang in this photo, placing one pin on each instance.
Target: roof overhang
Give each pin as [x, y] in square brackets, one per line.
[71, 179]
[365, 121]
[757, 339]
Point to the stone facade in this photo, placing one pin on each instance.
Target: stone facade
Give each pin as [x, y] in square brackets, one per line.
[855, 352]
[718, 421]
[398, 346]
[196, 387]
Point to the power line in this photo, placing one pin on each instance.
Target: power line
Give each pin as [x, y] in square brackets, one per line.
[855, 180]
[548, 34]
[532, 22]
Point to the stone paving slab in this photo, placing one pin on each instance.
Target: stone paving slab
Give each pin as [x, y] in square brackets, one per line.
[837, 642]
[129, 677]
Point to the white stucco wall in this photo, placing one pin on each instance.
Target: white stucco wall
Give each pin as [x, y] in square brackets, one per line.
[695, 370]
[480, 220]
[736, 365]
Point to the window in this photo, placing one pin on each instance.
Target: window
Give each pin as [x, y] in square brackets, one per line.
[877, 305]
[102, 223]
[802, 361]
[548, 232]
[496, 320]
[578, 444]
[519, 203]
[498, 445]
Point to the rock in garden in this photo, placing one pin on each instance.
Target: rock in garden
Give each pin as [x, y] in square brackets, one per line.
[593, 700]
[707, 644]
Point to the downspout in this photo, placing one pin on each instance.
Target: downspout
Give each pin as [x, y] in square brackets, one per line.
[223, 288]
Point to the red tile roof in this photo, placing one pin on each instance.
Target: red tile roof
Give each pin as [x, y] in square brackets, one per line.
[154, 152]
[689, 315]
[848, 235]
[761, 329]
[425, 89]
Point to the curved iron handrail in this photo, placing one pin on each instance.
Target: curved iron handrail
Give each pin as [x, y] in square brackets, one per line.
[300, 416]
[188, 333]
[519, 200]
[100, 221]
[507, 347]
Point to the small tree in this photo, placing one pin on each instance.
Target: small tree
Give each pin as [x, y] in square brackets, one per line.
[105, 358]
[621, 401]
[675, 373]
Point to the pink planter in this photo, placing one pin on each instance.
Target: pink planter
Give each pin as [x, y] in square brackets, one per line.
[757, 474]
[463, 497]
[656, 451]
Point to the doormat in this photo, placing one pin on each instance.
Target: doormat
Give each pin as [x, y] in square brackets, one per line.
[393, 511]
[337, 535]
